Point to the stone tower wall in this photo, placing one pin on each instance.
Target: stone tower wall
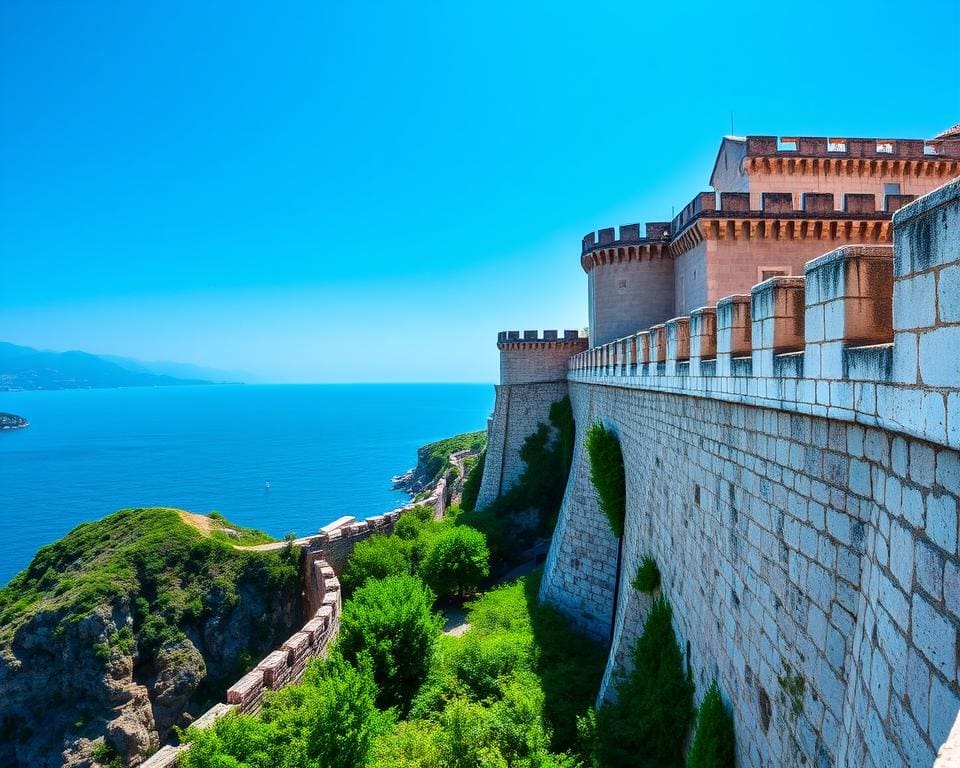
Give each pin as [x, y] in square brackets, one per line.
[533, 375]
[626, 296]
[792, 465]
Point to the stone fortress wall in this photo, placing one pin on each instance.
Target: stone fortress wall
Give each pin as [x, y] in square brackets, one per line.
[533, 376]
[323, 557]
[792, 465]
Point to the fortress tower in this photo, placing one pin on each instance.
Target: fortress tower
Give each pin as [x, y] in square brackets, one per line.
[780, 366]
[533, 376]
[776, 204]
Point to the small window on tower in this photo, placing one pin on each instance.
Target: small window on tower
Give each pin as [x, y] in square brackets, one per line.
[891, 189]
[885, 147]
[622, 285]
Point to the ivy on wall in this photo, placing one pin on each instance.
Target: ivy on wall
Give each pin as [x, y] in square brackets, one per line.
[607, 474]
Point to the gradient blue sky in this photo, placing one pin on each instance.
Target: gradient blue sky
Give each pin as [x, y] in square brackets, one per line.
[369, 191]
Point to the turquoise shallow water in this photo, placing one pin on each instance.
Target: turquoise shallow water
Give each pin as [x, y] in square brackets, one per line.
[325, 450]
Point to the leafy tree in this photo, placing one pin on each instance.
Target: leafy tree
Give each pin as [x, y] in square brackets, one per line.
[648, 724]
[408, 527]
[457, 560]
[608, 476]
[235, 741]
[376, 558]
[412, 744]
[390, 620]
[713, 743]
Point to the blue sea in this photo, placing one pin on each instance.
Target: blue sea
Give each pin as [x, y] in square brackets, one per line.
[324, 450]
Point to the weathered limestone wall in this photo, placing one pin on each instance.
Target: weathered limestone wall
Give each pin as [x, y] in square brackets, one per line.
[792, 464]
[533, 376]
[518, 410]
[796, 551]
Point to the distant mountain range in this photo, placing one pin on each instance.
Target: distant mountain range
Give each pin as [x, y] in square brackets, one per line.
[28, 368]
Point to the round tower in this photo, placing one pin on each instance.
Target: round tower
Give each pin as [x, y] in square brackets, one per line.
[630, 280]
[533, 376]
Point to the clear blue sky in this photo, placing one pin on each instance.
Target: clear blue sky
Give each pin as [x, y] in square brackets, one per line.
[357, 191]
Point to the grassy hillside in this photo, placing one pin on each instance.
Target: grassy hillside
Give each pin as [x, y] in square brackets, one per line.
[154, 600]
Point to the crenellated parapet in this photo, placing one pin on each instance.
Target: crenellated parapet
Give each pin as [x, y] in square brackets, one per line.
[785, 216]
[610, 246]
[530, 356]
[824, 148]
[869, 333]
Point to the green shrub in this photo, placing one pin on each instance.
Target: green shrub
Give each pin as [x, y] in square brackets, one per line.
[457, 560]
[423, 512]
[376, 558]
[503, 543]
[408, 527]
[236, 741]
[648, 576]
[514, 638]
[390, 620]
[647, 726]
[713, 742]
[607, 475]
[471, 486]
[330, 720]
[412, 744]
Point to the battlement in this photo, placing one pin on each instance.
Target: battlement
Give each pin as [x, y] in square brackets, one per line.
[629, 234]
[787, 204]
[507, 339]
[864, 335]
[827, 147]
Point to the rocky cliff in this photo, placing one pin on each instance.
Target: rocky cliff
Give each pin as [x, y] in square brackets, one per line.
[433, 459]
[130, 626]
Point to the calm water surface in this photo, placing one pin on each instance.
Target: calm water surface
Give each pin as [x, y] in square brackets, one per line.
[325, 450]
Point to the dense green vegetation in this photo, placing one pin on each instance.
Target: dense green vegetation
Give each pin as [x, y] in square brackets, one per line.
[607, 474]
[156, 591]
[506, 693]
[328, 721]
[648, 576]
[171, 572]
[647, 725]
[389, 621]
[713, 742]
[547, 455]
[456, 561]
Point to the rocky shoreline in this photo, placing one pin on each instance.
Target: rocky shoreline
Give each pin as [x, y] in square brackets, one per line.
[12, 421]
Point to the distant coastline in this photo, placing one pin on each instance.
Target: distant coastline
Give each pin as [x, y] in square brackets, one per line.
[25, 369]
[12, 421]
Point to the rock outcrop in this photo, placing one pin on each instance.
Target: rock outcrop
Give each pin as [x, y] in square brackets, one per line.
[83, 686]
